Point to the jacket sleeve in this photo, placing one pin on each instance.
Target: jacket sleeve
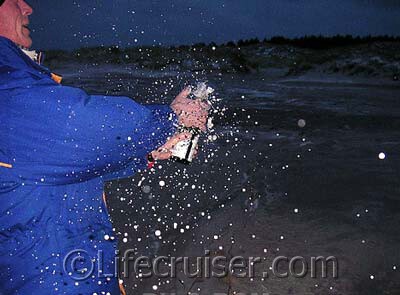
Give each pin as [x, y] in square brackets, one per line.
[62, 135]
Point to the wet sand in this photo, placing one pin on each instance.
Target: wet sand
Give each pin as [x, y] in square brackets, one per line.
[268, 185]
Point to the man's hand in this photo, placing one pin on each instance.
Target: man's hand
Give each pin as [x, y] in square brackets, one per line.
[164, 151]
[190, 112]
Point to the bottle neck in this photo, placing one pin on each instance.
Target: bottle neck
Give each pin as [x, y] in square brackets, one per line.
[193, 130]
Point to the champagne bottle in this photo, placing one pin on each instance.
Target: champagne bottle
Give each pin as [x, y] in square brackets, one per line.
[185, 149]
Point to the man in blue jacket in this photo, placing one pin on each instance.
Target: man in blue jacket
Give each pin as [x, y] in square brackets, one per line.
[57, 146]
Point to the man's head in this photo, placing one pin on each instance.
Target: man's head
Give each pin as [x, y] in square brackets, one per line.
[14, 21]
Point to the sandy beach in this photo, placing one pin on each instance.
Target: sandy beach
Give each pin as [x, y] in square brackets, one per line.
[268, 187]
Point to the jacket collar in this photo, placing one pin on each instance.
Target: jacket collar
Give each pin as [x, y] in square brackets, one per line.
[36, 56]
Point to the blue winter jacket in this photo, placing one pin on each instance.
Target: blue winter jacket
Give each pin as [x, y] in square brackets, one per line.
[57, 146]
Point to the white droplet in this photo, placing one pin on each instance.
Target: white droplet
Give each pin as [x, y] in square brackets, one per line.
[296, 210]
[282, 237]
[162, 183]
[382, 156]
[371, 277]
[106, 237]
[301, 123]
[146, 189]
[215, 237]
[157, 233]
[155, 287]
[125, 240]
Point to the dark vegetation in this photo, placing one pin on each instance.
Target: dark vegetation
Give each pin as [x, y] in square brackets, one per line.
[365, 56]
[320, 42]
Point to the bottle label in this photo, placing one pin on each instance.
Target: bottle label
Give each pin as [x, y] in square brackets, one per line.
[184, 150]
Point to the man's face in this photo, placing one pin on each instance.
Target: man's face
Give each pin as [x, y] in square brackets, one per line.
[14, 21]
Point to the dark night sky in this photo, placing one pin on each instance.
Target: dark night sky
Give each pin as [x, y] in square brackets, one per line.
[72, 24]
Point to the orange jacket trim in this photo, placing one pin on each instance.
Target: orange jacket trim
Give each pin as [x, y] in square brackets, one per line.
[122, 289]
[56, 78]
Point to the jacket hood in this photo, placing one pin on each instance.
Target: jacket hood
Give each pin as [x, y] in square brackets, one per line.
[17, 69]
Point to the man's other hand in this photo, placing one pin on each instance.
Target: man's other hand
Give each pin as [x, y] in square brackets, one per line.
[190, 112]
